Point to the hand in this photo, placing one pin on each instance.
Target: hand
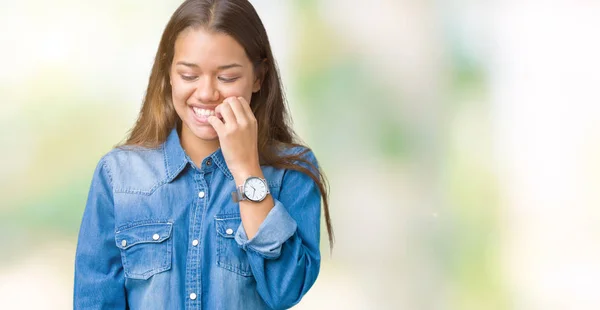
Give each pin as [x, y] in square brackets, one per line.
[238, 136]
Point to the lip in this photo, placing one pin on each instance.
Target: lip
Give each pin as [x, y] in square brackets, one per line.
[203, 106]
[201, 119]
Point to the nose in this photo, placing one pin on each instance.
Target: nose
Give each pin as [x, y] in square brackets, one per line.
[206, 91]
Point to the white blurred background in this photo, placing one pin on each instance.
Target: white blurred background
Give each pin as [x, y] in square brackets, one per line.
[461, 140]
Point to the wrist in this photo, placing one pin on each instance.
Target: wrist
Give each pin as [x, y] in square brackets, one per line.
[240, 175]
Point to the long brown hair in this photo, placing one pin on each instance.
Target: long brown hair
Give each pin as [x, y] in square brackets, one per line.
[238, 19]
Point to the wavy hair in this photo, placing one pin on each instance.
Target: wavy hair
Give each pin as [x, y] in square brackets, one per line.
[238, 19]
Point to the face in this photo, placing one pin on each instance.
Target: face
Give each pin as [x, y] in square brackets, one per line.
[207, 68]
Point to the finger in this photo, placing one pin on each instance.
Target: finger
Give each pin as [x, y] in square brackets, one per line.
[225, 110]
[247, 108]
[217, 124]
[239, 111]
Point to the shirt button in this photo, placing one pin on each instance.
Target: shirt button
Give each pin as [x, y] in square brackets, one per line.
[195, 242]
[155, 236]
[124, 243]
[201, 194]
[193, 296]
[208, 162]
[229, 231]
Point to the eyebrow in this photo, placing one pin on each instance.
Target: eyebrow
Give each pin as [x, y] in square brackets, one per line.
[193, 65]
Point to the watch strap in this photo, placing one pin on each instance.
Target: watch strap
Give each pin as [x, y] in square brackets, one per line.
[238, 194]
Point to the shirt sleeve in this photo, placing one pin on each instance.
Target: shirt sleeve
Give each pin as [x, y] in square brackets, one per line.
[276, 228]
[99, 280]
[284, 254]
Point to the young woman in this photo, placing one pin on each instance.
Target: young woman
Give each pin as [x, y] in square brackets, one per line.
[210, 203]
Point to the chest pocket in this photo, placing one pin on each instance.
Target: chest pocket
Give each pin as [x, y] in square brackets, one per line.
[146, 248]
[229, 255]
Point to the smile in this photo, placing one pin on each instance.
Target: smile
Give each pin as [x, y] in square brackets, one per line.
[203, 112]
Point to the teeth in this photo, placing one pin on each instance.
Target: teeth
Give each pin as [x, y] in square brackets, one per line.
[203, 112]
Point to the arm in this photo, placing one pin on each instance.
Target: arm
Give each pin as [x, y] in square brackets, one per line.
[253, 213]
[284, 253]
[282, 236]
[99, 280]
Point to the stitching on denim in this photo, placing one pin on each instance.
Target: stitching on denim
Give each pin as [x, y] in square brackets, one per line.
[234, 269]
[169, 259]
[273, 184]
[108, 173]
[146, 275]
[178, 170]
[223, 167]
[161, 240]
[221, 245]
[263, 255]
[140, 191]
[132, 148]
[124, 259]
[272, 254]
[146, 222]
[166, 159]
[129, 245]
[219, 225]
[228, 216]
[166, 265]
[134, 191]
[171, 174]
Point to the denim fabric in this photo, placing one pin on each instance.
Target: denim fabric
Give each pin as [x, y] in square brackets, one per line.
[158, 232]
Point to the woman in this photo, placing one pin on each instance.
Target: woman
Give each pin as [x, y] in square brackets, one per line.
[210, 203]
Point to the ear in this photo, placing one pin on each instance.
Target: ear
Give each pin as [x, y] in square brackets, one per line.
[257, 85]
[261, 72]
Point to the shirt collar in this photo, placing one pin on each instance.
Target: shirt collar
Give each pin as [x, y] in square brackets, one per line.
[176, 158]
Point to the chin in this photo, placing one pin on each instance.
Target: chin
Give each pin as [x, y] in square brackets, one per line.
[203, 132]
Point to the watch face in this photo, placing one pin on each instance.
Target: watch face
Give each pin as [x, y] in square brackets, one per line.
[255, 189]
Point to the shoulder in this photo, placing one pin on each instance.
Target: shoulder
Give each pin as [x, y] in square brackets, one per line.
[287, 159]
[300, 160]
[134, 168]
[300, 155]
[297, 153]
[131, 155]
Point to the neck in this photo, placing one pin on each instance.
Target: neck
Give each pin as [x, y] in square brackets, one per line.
[196, 148]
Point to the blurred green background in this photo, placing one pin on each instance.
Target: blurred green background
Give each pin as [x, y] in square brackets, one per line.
[460, 139]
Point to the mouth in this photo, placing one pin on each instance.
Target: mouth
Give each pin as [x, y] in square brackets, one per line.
[201, 114]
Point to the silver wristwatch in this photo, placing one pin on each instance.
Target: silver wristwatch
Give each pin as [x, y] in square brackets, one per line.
[254, 189]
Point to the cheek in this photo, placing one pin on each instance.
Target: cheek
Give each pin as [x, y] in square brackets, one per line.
[238, 89]
[181, 91]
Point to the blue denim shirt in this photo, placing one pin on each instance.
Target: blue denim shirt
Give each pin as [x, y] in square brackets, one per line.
[158, 232]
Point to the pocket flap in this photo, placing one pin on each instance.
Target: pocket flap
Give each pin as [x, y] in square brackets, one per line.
[143, 233]
[227, 226]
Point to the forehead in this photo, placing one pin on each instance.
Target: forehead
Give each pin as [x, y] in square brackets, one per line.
[207, 48]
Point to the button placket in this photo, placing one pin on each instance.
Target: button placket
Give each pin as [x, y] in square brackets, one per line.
[194, 258]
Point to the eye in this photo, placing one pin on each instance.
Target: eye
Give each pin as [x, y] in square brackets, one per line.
[188, 77]
[227, 80]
